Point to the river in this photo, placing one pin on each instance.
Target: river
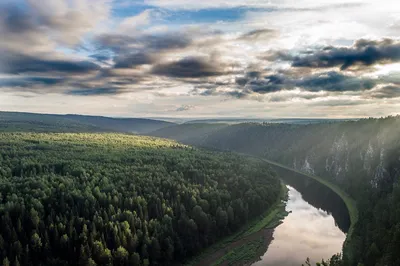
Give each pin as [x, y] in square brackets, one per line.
[306, 232]
[316, 226]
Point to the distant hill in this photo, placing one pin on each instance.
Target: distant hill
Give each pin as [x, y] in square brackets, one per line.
[16, 121]
[299, 121]
[193, 133]
[132, 125]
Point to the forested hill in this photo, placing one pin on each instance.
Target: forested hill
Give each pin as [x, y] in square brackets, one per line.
[114, 199]
[363, 157]
[15, 121]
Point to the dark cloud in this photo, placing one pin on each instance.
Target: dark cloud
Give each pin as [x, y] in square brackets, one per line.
[237, 94]
[329, 81]
[101, 57]
[241, 81]
[185, 107]
[20, 29]
[167, 41]
[389, 91]
[28, 82]
[36, 23]
[266, 85]
[132, 60]
[258, 34]
[250, 75]
[254, 81]
[363, 53]
[190, 67]
[93, 91]
[334, 81]
[16, 20]
[19, 63]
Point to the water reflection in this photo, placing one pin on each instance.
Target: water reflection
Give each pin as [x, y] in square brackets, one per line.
[317, 195]
[306, 232]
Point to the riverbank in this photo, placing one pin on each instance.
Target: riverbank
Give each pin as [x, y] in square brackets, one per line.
[248, 243]
[349, 202]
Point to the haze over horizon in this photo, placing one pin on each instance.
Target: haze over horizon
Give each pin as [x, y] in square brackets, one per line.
[179, 58]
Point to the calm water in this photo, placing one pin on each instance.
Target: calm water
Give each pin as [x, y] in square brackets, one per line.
[315, 228]
[306, 232]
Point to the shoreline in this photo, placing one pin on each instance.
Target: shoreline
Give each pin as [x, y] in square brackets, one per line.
[245, 246]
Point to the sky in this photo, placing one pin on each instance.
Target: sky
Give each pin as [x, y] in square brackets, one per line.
[208, 58]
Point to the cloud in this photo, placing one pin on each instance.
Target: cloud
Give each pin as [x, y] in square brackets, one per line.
[132, 60]
[327, 81]
[43, 24]
[363, 53]
[305, 5]
[67, 20]
[334, 81]
[259, 34]
[29, 82]
[101, 57]
[19, 63]
[132, 23]
[268, 84]
[185, 107]
[230, 53]
[384, 92]
[285, 86]
[93, 91]
[122, 43]
[189, 67]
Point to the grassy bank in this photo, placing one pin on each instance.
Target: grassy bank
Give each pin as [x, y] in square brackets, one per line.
[248, 252]
[273, 217]
[251, 250]
[270, 219]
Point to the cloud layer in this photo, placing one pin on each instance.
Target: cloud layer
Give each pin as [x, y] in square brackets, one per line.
[213, 57]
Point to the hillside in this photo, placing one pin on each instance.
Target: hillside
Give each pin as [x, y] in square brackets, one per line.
[115, 199]
[188, 132]
[15, 121]
[362, 157]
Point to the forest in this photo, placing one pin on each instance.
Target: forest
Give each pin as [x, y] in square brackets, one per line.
[116, 199]
[119, 199]
[362, 157]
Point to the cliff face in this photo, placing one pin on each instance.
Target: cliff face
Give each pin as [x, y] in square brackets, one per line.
[372, 158]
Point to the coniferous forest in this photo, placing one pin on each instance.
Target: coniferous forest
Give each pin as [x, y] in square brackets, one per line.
[362, 157]
[114, 199]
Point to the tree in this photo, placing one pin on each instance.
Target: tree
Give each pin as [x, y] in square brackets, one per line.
[121, 256]
[134, 259]
[91, 262]
[222, 219]
[6, 262]
[36, 242]
[34, 217]
[155, 249]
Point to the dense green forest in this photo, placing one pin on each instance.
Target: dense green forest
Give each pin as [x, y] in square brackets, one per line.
[362, 157]
[28, 122]
[82, 198]
[114, 199]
